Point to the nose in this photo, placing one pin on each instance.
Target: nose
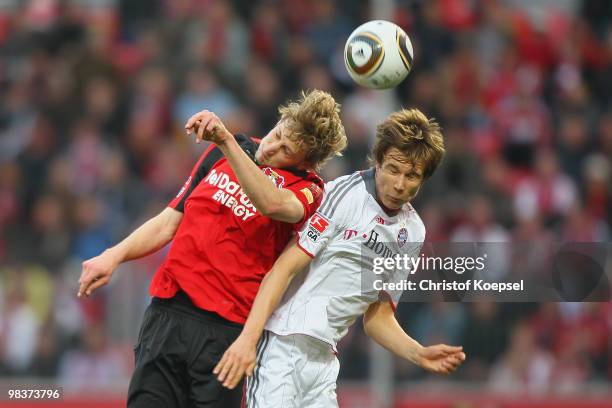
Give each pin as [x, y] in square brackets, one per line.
[399, 184]
[272, 148]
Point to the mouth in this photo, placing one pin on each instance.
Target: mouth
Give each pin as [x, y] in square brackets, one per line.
[395, 201]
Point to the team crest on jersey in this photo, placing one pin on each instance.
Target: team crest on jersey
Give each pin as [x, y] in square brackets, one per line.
[402, 237]
[276, 178]
[380, 220]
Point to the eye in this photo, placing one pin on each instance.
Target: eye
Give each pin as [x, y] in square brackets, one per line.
[392, 170]
[414, 176]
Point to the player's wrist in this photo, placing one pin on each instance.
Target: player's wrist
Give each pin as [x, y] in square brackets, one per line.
[417, 355]
[115, 255]
[224, 138]
[250, 337]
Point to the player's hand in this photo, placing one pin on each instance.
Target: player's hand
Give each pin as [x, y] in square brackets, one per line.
[441, 359]
[238, 359]
[96, 272]
[208, 126]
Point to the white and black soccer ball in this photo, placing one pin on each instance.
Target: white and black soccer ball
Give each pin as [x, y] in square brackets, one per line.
[378, 54]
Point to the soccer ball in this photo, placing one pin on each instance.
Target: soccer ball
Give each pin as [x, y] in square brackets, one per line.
[378, 54]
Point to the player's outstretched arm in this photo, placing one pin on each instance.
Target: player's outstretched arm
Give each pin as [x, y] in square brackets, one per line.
[239, 358]
[146, 239]
[380, 324]
[278, 204]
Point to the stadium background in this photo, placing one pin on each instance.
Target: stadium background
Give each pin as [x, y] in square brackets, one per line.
[93, 96]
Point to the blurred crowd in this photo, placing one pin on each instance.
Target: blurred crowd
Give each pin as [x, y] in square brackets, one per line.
[94, 95]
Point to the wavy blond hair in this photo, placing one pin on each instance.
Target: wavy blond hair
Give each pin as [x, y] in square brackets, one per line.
[418, 138]
[314, 122]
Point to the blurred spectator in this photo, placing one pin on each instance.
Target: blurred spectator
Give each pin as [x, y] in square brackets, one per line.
[93, 364]
[483, 339]
[523, 120]
[201, 91]
[574, 146]
[550, 193]
[20, 326]
[52, 237]
[491, 237]
[524, 367]
[92, 236]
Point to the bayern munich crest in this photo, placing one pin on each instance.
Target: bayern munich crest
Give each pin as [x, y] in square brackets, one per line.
[402, 237]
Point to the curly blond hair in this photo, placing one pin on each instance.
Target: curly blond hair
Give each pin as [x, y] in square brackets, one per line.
[314, 122]
[418, 138]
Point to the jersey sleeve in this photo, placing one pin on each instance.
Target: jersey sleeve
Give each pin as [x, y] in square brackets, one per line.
[324, 224]
[206, 161]
[310, 195]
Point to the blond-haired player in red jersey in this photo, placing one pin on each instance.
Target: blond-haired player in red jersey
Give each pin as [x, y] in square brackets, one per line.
[236, 212]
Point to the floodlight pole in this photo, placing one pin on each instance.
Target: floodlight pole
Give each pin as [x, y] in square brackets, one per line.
[381, 361]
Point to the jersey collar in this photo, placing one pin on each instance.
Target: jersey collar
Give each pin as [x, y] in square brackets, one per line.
[369, 178]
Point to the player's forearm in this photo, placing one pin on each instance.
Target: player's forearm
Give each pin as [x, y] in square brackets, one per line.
[273, 287]
[270, 293]
[382, 327]
[148, 238]
[271, 201]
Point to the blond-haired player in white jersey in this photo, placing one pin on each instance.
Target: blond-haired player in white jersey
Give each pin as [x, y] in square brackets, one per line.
[363, 216]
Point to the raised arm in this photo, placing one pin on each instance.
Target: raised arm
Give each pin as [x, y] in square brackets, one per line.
[380, 325]
[278, 204]
[240, 356]
[146, 239]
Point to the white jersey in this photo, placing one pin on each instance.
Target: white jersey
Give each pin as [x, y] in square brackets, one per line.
[343, 236]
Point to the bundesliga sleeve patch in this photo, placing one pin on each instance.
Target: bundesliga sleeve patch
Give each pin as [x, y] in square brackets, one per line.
[317, 226]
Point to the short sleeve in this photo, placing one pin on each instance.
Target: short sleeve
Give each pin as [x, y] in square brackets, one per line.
[206, 161]
[309, 194]
[336, 205]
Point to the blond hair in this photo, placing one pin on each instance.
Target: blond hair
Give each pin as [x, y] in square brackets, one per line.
[314, 121]
[418, 138]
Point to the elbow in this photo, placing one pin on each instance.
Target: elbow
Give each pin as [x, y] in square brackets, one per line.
[277, 210]
[167, 232]
[269, 209]
[166, 236]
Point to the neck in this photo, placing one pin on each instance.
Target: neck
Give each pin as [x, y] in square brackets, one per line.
[389, 211]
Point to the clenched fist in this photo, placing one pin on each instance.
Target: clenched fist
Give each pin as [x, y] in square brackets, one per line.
[209, 127]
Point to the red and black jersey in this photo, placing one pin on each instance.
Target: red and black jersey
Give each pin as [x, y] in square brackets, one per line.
[223, 246]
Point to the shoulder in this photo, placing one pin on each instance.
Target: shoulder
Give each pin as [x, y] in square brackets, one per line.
[344, 195]
[248, 144]
[345, 183]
